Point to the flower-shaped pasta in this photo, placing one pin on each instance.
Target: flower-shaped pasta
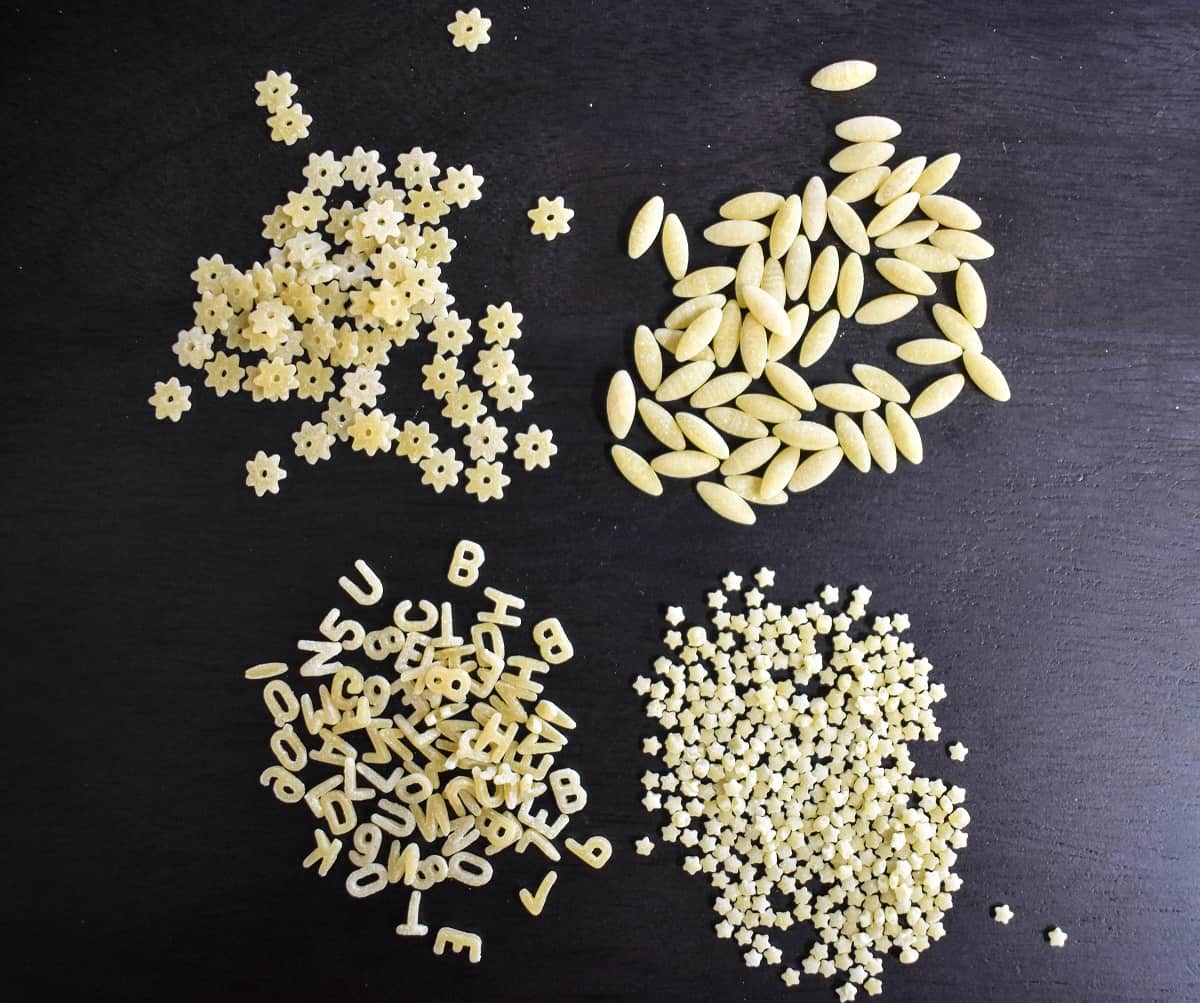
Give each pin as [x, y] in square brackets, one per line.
[417, 167]
[425, 205]
[211, 274]
[278, 227]
[313, 441]
[551, 217]
[450, 333]
[275, 379]
[239, 290]
[213, 312]
[463, 406]
[224, 374]
[275, 91]
[170, 399]
[441, 375]
[289, 124]
[305, 209]
[440, 469]
[415, 442]
[494, 365]
[338, 415]
[389, 303]
[485, 439]
[469, 29]
[373, 349]
[512, 394]
[381, 219]
[391, 263]
[501, 325]
[264, 473]
[341, 217]
[363, 386]
[487, 481]
[193, 348]
[436, 245]
[270, 322]
[535, 447]
[362, 168]
[345, 347]
[461, 186]
[324, 172]
[249, 383]
[313, 380]
[371, 432]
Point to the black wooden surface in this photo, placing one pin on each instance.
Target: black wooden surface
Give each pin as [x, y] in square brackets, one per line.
[1046, 549]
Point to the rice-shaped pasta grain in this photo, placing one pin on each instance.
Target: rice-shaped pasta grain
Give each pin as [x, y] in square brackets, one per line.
[621, 403]
[928, 351]
[684, 463]
[935, 176]
[636, 470]
[736, 232]
[904, 433]
[956, 327]
[674, 246]
[751, 205]
[847, 225]
[850, 285]
[686, 380]
[867, 129]
[815, 469]
[702, 435]
[986, 375]
[725, 503]
[879, 441]
[971, 295]
[885, 309]
[845, 75]
[646, 224]
[859, 156]
[880, 382]
[751, 455]
[939, 394]
[661, 424]
[720, 390]
[852, 441]
[845, 397]
[647, 357]
[819, 338]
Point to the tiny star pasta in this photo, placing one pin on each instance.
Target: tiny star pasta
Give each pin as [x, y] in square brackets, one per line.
[550, 218]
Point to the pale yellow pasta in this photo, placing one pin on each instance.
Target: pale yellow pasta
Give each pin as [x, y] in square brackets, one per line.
[780, 470]
[971, 295]
[867, 129]
[749, 271]
[939, 394]
[725, 503]
[699, 335]
[845, 75]
[796, 267]
[823, 280]
[963, 245]
[768, 312]
[819, 338]
[906, 234]
[950, 212]
[647, 357]
[852, 442]
[684, 463]
[892, 215]
[674, 249]
[956, 327]
[937, 174]
[751, 455]
[720, 390]
[704, 281]
[812, 211]
[686, 380]
[901, 180]
[751, 205]
[880, 382]
[773, 282]
[661, 424]
[643, 232]
[620, 403]
[790, 385]
[737, 423]
[904, 433]
[749, 487]
[780, 345]
[815, 469]
[928, 351]
[702, 435]
[847, 225]
[767, 408]
[636, 470]
[725, 342]
[736, 232]
[850, 285]
[986, 375]
[857, 186]
[807, 435]
[885, 309]
[879, 441]
[689, 310]
[859, 156]
[905, 276]
[752, 345]
[785, 227]
[845, 397]
[928, 258]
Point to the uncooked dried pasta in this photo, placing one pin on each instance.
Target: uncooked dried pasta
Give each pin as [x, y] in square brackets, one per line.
[770, 312]
[636, 470]
[844, 76]
[621, 404]
[725, 503]
[426, 745]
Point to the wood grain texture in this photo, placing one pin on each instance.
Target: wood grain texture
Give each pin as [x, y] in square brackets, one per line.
[1046, 549]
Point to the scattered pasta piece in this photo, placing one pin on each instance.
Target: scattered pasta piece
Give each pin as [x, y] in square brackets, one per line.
[800, 279]
[551, 218]
[1056, 937]
[353, 276]
[469, 29]
[264, 473]
[426, 745]
[787, 779]
[644, 846]
[957, 752]
[1002, 914]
